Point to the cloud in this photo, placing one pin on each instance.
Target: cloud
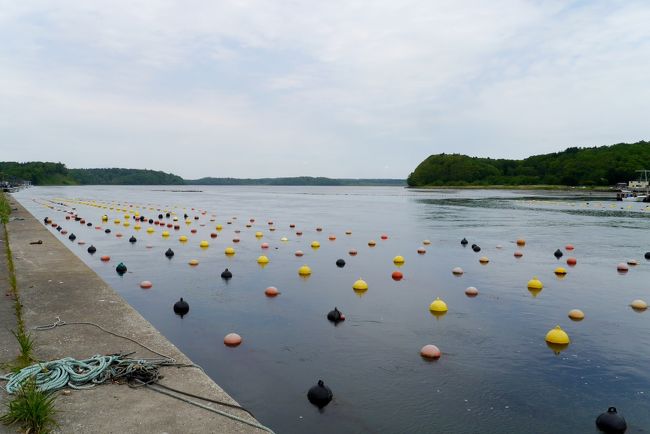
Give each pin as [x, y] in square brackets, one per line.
[258, 88]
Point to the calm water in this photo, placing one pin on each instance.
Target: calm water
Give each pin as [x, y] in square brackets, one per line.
[496, 374]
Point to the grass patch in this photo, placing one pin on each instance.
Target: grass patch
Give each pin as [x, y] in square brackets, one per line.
[26, 343]
[5, 209]
[32, 409]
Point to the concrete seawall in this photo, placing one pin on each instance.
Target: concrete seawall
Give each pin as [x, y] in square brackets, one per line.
[52, 283]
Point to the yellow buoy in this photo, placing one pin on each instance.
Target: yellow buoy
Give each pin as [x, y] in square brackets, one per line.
[521, 242]
[259, 234]
[438, 305]
[398, 260]
[229, 251]
[104, 218]
[194, 262]
[576, 314]
[263, 260]
[126, 224]
[360, 285]
[304, 271]
[557, 336]
[116, 221]
[315, 244]
[150, 230]
[182, 238]
[560, 271]
[204, 244]
[218, 227]
[165, 234]
[137, 227]
[535, 284]
[188, 222]
[284, 239]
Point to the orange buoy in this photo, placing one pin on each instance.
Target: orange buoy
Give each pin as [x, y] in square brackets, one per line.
[430, 352]
[521, 242]
[105, 258]
[576, 314]
[571, 262]
[271, 291]
[232, 339]
[397, 275]
[331, 238]
[352, 252]
[145, 284]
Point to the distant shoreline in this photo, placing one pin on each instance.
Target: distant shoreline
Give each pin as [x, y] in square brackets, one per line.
[601, 189]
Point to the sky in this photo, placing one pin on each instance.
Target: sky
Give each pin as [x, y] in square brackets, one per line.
[338, 88]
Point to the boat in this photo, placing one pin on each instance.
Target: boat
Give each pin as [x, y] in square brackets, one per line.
[635, 191]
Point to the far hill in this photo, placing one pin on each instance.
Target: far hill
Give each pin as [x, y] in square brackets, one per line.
[124, 177]
[46, 173]
[299, 180]
[596, 166]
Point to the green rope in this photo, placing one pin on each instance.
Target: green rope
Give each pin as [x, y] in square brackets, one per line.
[84, 374]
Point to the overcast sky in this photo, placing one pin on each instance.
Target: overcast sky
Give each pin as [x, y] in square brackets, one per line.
[324, 88]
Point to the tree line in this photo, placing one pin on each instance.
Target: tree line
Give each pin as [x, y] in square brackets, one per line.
[595, 166]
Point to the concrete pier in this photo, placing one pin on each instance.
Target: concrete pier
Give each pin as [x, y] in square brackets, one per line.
[52, 283]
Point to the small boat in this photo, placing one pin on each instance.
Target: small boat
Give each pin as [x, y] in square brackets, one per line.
[636, 191]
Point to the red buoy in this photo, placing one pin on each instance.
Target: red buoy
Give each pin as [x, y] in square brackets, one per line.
[571, 261]
[430, 352]
[232, 339]
[271, 291]
[397, 275]
[145, 284]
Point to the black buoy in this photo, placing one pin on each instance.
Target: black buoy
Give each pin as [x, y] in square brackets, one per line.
[558, 254]
[226, 274]
[169, 253]
[72, 237]
[320, 395]
[89, 224]
[340, 263]
[476, 248]
[611, 422]
[121, 268]
[335, 316]
[185, 216]
[107, 231]
[46, 220]
[181, 307]
[141, 218]
[464, 241]
[77, 218]
[132, 239]
[160, 216]
[167, 215]
[150, 221]
[647, 255]
[58, 228]
[92, 249]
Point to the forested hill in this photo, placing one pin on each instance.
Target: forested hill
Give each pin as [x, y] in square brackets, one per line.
[298, 180]
[124, 177]
[45, 173]
[604, 165]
